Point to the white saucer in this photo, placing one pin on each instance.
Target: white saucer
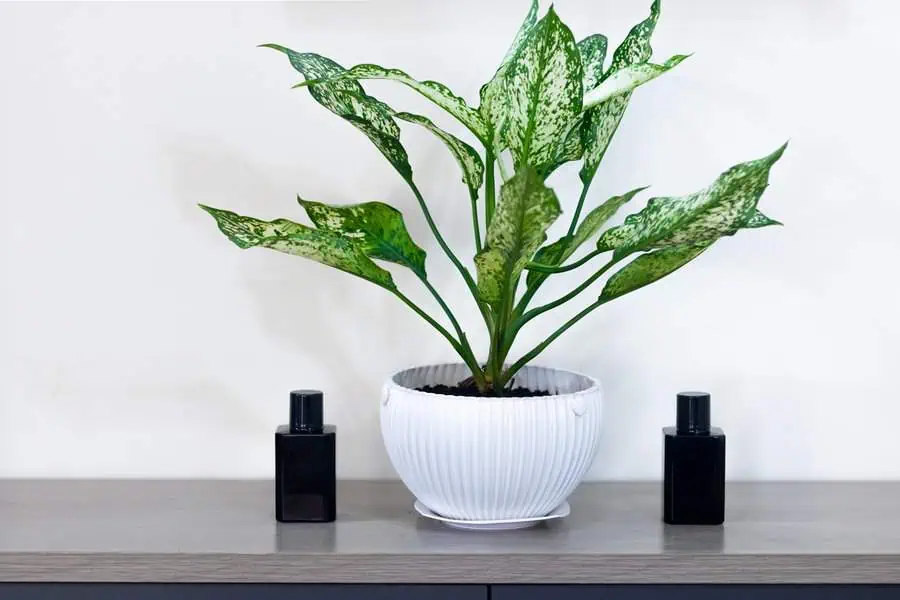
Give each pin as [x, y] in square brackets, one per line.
[559, 512]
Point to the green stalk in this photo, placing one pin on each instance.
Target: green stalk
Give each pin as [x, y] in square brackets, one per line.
[562, 300]
[463, 350]
[467, 277]
[475, 227]
[459, 332]
[577, 214]
[531, 354]
[498, 339]
[489, 192]
[530, 292]
[549, 269]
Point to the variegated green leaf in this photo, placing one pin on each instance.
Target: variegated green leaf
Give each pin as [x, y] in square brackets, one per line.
[650, 267]
[526, 210]
[493, 97]
[635, 48]
[542, 86]
[467, 157]
[592, 50]
[377, 229]
[757, 220]
[570, 146]
[600, 125]
[718, 210]
[602, 120]
[551, 255]
[558, 252]
[627, 78]
[293, 238]
[346, 98]
[437, 92]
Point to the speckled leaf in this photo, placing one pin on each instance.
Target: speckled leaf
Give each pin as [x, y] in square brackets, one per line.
[635, 48]
[650, 267]
[437, 92]
[592, 50]
[718, 210]
[627, 78]
[493, 97]
[551, 254]
[558, 252]
[377, 229]
[293, 238]
[600, 124]
[467, 157]
[602, 120]
[757, 220]
[542, 86]
[346, 98]
[571, 145]
[526, 210]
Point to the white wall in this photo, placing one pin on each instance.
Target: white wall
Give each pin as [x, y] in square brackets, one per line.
[136, 341]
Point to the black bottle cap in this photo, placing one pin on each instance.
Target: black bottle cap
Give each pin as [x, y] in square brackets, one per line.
[693, 413]
[306, 411]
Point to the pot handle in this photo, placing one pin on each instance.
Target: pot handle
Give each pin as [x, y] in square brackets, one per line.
[578, 405]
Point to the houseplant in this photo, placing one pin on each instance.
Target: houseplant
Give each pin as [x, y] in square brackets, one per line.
[493, 438]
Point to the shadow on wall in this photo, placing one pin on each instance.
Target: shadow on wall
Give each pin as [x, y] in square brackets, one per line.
[314, 311]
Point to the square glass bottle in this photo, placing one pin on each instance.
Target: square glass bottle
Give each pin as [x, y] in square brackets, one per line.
[693, 465]
[305, 465]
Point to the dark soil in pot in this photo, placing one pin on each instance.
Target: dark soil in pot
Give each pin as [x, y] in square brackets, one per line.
[472, 390]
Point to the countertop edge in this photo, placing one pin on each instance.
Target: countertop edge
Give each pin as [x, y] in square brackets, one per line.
[451, 568]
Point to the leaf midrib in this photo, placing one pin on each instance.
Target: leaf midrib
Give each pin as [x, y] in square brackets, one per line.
[534, 91]
[390, 249]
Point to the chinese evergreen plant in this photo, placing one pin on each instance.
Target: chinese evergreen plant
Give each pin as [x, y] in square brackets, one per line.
[552, 100]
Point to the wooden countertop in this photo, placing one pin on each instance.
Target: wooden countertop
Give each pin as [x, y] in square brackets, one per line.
[224, 531]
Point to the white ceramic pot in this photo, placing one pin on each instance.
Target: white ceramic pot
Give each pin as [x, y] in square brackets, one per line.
[477, 458]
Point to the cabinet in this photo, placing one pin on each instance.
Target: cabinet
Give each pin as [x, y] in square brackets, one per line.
[695, 592]
[241, 591]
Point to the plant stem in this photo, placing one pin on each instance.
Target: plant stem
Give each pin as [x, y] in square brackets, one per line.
[531, 354]
[498, 338]
[467, 277]
[503, 173]
[562, 300]
[541, 268]
[577, 214]
[489, 191]
[531, 291]
[448, 312]
[462, 348]
[476, 229]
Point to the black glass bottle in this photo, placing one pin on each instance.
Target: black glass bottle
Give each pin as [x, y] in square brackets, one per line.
[694, 465]
[305, 475]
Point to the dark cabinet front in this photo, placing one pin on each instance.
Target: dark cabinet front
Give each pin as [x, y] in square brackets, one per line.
[695, 592]
[249, 591]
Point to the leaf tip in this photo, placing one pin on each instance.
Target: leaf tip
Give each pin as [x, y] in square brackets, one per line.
[777, 154]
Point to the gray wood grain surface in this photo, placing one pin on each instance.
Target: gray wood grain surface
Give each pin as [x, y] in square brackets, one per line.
[224, 531]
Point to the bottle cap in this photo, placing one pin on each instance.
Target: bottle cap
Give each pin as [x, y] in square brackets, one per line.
[693, 414]
[306, 411]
